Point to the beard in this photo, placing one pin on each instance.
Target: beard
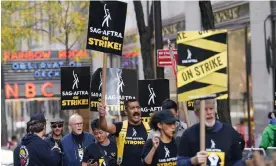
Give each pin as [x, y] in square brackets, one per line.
[210, 124]
[57, 133]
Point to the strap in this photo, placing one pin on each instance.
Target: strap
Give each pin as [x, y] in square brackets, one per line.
[121, 142]
[147, 127]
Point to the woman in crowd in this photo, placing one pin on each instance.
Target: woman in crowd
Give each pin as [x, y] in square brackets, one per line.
[162, 148]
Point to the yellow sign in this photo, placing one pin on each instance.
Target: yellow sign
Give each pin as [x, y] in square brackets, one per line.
[202, 64]
[216, 159]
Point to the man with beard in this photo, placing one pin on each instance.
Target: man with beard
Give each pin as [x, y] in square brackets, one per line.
[131, 134]
[223, 142]
[101, 153]
[54, 139]
[74, 143]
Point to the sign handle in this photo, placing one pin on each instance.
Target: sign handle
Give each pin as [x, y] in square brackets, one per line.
[172, 58]
[202, 126]
[104, 78]
[186, 114]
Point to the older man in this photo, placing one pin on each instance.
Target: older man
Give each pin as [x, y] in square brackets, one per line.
[74, 143]
[223, 142]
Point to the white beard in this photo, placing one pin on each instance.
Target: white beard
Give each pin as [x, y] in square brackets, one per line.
[210, 124]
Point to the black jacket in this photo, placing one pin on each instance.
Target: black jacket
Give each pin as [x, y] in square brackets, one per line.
[50, 140]
[34, 151]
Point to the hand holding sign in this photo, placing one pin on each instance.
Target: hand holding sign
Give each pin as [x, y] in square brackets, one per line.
[200, 158]
[102, 110]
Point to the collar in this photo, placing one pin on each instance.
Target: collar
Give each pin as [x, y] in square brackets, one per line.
[217, 127]
[273, 121]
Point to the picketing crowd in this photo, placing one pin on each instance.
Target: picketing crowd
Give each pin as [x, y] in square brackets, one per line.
[164, 141]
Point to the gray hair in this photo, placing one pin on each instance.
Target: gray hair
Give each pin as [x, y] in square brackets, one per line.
[73, 117]
[197, 104]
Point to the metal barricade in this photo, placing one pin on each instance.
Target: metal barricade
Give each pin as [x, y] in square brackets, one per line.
[248, 152]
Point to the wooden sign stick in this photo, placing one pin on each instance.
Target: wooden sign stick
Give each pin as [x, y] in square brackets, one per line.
[202, 127]
[104, 78]
[186, 114]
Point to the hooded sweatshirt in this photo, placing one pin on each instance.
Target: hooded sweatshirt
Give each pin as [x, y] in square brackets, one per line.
[35, 151]
[268, 135]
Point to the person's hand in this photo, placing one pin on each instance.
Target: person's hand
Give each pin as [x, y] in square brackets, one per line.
[200, 158]
[155, 141]
[102, 109]
[90, 163]
[94, 164]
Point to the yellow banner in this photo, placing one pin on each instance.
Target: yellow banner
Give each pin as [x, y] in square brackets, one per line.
[185, 36]
[211, 77]
[202, 69]
[200, 93]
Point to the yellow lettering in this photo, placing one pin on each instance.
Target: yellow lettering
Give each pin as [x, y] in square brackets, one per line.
[75, 102]
[90, 41]
[104, 43]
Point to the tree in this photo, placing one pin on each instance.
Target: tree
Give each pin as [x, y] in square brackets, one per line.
[146, 34]
[64, 22]
[13, 31]
[207, 21]
[17, 23]
[68, 21]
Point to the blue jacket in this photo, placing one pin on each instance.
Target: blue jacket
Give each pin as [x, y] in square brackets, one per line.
[35, 151]
[70, 149]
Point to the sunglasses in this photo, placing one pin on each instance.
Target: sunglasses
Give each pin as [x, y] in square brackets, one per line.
[59, 126]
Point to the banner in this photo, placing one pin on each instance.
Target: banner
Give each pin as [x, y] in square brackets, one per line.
[202, 65]
[121, 85]
[151, 95]
[106, 26]
[75, 87]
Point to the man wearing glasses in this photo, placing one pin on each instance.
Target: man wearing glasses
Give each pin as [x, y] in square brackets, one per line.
[54, 138]
[74, 143]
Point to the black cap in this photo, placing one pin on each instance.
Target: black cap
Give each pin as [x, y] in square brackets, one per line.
[38, 117]
[165, 116]
[56, 120]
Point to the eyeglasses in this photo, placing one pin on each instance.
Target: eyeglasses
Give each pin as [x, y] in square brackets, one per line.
[59, 126]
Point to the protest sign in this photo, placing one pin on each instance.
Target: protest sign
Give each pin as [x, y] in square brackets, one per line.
[75, 87]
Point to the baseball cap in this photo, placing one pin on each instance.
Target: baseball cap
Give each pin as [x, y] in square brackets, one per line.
[56, 120]
[165, 116]
[38, 117]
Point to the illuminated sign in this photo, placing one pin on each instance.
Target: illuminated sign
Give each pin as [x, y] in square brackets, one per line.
[42, 55]
[31, 90]
[43, 69]
[43, 64]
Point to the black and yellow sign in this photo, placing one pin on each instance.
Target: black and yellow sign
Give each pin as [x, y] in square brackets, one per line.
[75, 87]
[106, 26]
[121, 85]
[202, 65]
[151, 95]
[215, 159]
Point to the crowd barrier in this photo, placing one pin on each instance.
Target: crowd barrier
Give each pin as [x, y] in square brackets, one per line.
[248, 152]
